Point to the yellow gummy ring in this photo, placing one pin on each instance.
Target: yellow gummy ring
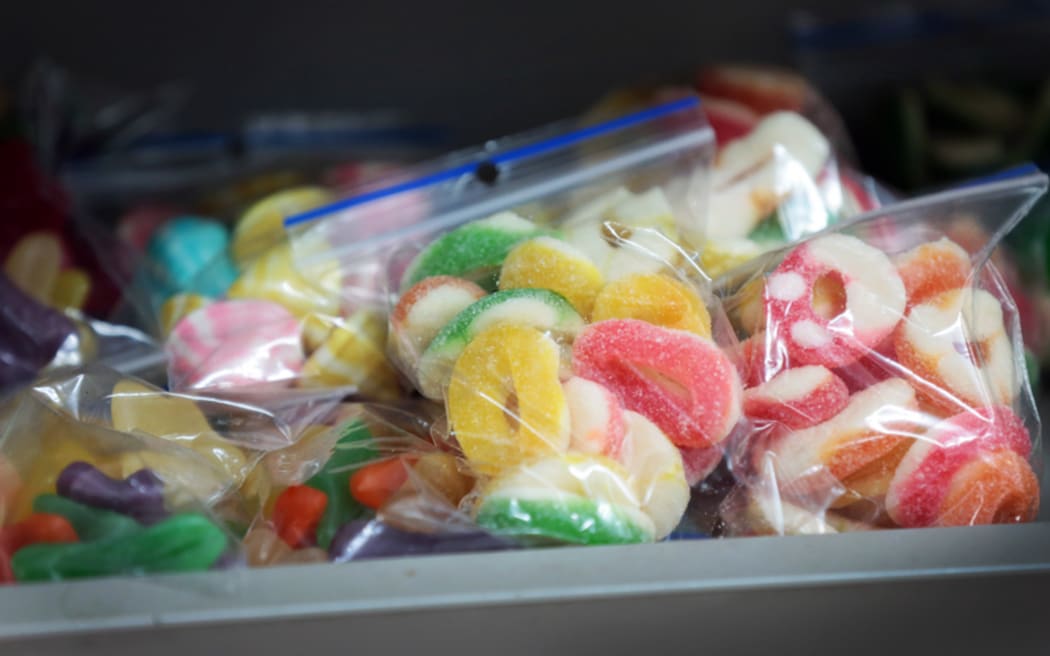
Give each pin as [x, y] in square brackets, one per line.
[548, 263]
[505, 402]
[655, 298]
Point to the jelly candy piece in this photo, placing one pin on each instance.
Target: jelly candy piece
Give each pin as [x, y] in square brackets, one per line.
[296, 514]
[137, 407]
[719, 257]
[373, 484]
[90, 523]
[353, 449]
[538, 308]
[933, 268]
[71, 289]
[262, 225]
[441, 474]
[215, 347]
[548, 263]
[140, 495]
[274, 277]
[655, 298]
[33, 265]
[423, 311]
[364, 539]
[680, 381]
[353, 354]
[508, 367]
[263, 547]
[190, 254]
[182, 543]
[38, 528]
[315, 331]
[574, 498]
[474, 251]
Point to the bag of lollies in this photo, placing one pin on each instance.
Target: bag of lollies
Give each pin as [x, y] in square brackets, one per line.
[106, 475]
[883, 372]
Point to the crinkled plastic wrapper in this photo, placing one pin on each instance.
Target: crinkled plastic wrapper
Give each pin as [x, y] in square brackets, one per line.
[885, 382]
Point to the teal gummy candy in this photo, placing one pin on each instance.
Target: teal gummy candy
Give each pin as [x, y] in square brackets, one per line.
[353, 449]
[184, 543]
[91, 524]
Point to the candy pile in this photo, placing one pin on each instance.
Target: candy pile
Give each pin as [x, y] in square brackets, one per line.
[884, 388]
[574, 369]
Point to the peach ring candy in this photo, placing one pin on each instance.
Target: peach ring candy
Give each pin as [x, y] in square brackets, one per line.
[655, 298]
[832, 299]
[548, 263]
[353, 355]
[423, 311]
[538, 308]
[969, 469]
[505, 401]
[958, 349]
[933, 268]
[656, 471]
[797, 398]
[232, 343]
[574, 497]
[596, 418]
[678, 380]
[474, 251]
[859, 447]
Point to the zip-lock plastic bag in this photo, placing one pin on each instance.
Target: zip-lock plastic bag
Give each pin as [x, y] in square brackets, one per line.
[884, 373]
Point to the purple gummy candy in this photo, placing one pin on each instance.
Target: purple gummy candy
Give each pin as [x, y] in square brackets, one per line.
[361, 539]
[30, 334]
[140, 495]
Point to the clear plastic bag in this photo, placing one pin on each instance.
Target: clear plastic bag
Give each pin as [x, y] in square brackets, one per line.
[884, 373]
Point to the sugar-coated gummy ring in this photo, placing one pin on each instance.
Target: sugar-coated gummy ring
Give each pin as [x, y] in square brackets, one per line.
[859, 447]
[596, 418]
[933, 268]
[505, 401]
[424, 310]
[474, 251]
[969, 469]
[680, 381]
[655, 298]
[957, 348]
[537, 308]
[549, 263]
[573, 498]
[657, 473]
[858, 293]
[797, 398]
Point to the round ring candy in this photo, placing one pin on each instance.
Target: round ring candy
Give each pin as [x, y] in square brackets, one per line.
[957, 348]
[575, 498]
[797, 398]
[537, 308]
[423, 311]
[474, 251]
[549, 263]
[233, 343]
[596, 417]
[832, 299]
[655, 298]
[933, 268]
[969, 469]
[505, 401]
[678, 380]
[655, 469]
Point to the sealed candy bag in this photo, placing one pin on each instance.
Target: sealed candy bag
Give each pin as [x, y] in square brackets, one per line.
[100, 478]
[884, 373]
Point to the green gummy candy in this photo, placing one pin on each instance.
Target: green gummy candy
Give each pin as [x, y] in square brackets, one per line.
[474, 251]
[183, 543]
[575, 521]
[353, 449]
[90, 523]
[768, 231]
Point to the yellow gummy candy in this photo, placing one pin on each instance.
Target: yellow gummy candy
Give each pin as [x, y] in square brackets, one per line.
[274, 277]
[718, 257]
[71, 289]
[353, 355]
[505, 402]
[136, 407]
[179, 306]
[33, 265]
[656, 299]
[262, 225]
[315, 331]
[547, 263]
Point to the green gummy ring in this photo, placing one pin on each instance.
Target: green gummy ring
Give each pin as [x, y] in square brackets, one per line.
[574, 520]
[474, 251]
